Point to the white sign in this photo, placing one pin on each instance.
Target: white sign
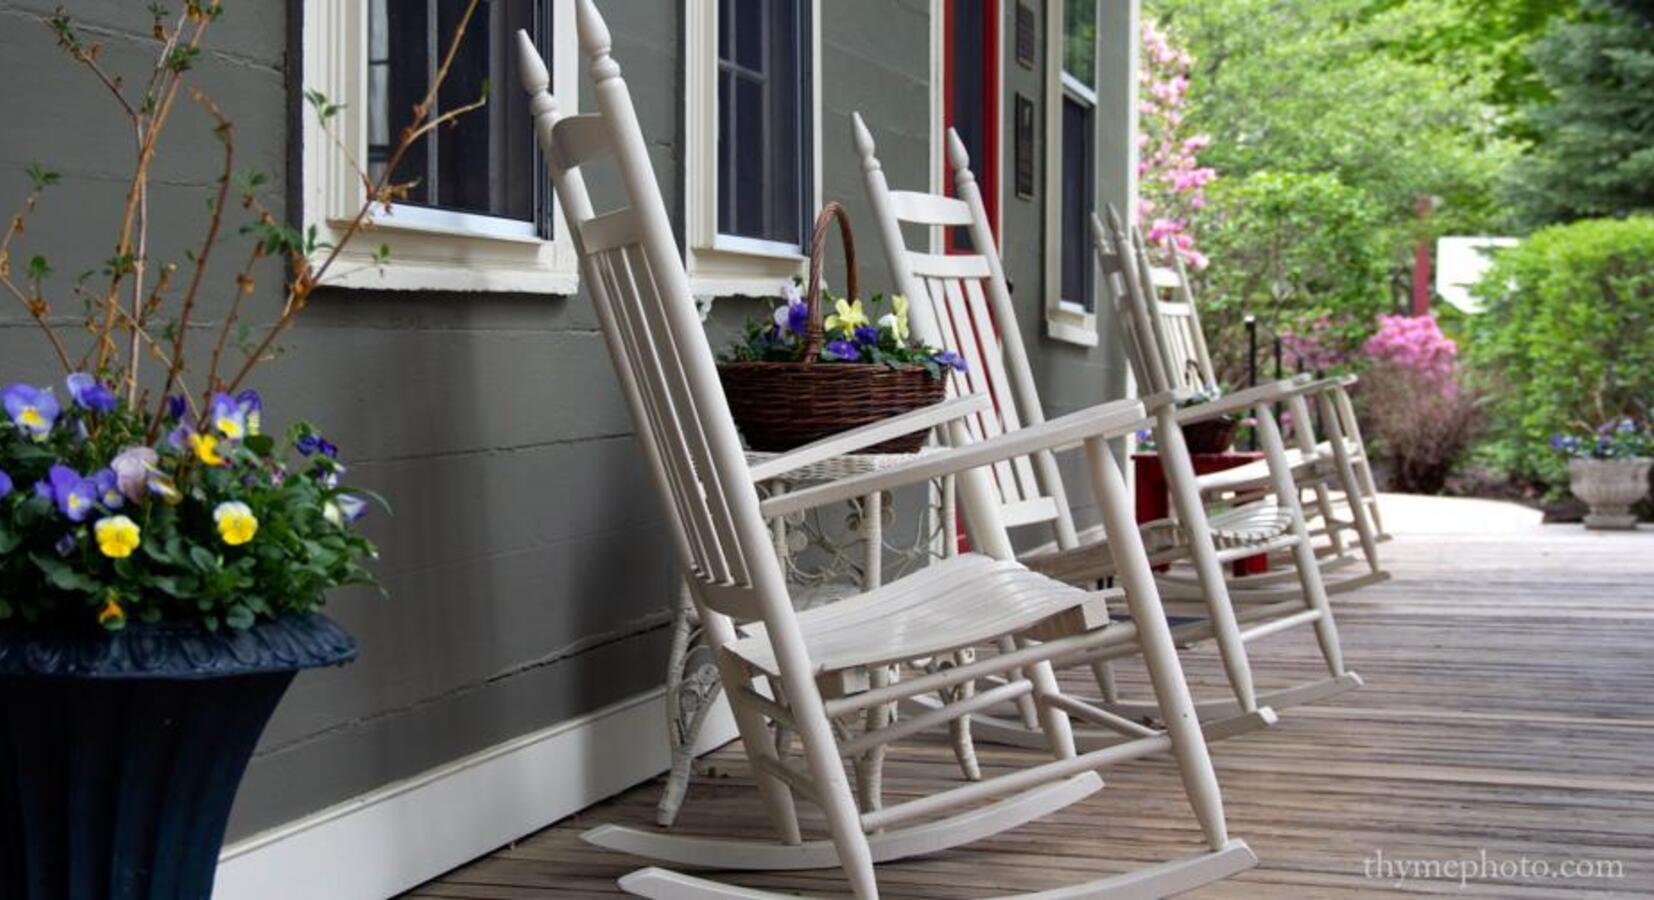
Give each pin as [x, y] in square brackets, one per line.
[1460, 263]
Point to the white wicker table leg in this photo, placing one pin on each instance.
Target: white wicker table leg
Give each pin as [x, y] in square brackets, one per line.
[689, 697]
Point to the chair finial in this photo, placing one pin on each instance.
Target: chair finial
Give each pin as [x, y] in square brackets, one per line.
[531, 71]
[864, 142]
[595, 40]
[958, 156]
[1114, 223]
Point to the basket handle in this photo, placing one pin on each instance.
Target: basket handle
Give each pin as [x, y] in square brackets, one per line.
[813, 335]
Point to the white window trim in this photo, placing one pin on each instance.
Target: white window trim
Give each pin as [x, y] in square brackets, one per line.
[940, 171]
[722, 265]
[430, 249]
[1064, 321]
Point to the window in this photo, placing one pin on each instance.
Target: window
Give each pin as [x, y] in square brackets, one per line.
[752, 158]
[485, 165]
[1071, 170]
[478, 214]
[970, 88]
[763, 58]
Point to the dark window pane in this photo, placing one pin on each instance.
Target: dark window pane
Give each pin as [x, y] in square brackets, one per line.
[763, 125]
[486, 162]
[1079, 44]
[969, 110]
[1078, 199]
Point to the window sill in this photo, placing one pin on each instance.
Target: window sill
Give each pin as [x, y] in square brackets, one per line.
[425, 258]
[741, 267]
[452, 224]
[1071, 326]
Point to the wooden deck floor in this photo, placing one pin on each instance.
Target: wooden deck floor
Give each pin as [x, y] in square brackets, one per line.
[1509, 710]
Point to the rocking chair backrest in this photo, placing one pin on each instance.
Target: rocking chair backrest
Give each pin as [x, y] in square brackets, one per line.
[1164, 341]
[642, 297]
[960, 302]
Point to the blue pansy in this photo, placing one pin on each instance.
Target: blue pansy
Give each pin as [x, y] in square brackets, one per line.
[176, 406]
[32, 409]
[5, 484]
[109, 489]
[311, 444]
[76, 495]
[841, 350]
[89, 393]
[867, 335]
[227, 418]
[252, 409]
[951, 359]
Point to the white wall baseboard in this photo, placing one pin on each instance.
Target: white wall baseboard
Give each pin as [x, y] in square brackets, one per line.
[389, 840]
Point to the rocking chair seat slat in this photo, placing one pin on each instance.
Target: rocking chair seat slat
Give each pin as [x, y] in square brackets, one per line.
[1259, 525]
[958, 602]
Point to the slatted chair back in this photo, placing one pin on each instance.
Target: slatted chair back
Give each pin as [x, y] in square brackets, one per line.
[655, 338]
[1161, 327]
[961, 302]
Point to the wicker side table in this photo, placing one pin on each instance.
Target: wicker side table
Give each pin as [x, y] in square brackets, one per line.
[692, 685]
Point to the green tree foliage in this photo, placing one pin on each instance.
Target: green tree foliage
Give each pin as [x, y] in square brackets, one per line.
[1347, 87]
[1594, 137]
[1292, 249]
[1567, 339]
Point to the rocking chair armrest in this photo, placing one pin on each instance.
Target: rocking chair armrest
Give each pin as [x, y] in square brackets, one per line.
[1102, 421]
[862, 437]
[1240, 401]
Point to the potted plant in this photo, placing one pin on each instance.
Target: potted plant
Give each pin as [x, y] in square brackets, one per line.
[162, 557]
[794, 377]
[1608, 469]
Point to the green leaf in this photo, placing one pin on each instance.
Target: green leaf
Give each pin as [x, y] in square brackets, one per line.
[5, 609]
[204, 559]
[63, 576]
[262, 444]
[9, 539]
[239, 617]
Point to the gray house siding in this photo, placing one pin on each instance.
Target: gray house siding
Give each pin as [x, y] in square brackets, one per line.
[529, 572]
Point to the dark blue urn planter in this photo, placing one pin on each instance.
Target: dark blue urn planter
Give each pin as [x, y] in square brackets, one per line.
[120, 753]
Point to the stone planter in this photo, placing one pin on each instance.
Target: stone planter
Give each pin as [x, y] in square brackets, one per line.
[1609, 487]
[121, 753]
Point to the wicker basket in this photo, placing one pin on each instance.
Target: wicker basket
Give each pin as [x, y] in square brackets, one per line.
[782, 405]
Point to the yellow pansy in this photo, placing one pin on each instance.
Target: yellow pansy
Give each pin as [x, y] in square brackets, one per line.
[117, 536]
[206, 449]
[898, 303]
[848, 318]
[236, 522]
[111, 614]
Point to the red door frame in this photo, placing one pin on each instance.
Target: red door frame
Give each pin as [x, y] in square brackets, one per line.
[984, 164]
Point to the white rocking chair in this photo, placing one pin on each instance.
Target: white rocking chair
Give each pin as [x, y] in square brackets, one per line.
[1164, 316]
[962, 302]
[817, 660]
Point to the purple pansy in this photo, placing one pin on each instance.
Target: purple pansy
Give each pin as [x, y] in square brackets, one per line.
[351, 507]
[179, 438]
[5, 484]
[842, 350]
[76, 495]
[867, 335]
[252, 409]
[32, 409]
[227, 418]
[89, 393]
[311, 444]
[176, 406]
[951, 360]
[109, 491]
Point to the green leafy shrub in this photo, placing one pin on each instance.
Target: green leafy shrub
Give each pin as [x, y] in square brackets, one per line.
[1567, 339]
[1303, 253]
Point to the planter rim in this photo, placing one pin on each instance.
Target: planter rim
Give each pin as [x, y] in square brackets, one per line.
[174, 651]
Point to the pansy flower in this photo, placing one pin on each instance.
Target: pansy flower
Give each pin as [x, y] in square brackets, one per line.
[205, 448]
[236, 522]
[227, 417]
[112, 616]
[897, 319]
[89, 393]
[132, 468]
[252, 409]
[847, 316]
[109, 491]
[75, 495]
[951, 359]
[867, 336]
[176, 406]
[841, 350]
[117, 536]
[34, 410]
[345, 509]
[310, 443]
[5, 484]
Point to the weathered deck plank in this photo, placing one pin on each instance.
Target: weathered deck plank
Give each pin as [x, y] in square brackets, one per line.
[1509, 709]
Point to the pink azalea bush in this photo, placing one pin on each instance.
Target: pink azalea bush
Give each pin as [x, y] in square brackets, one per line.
[1173, 181]
[1415, 403]
[1309, 348]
